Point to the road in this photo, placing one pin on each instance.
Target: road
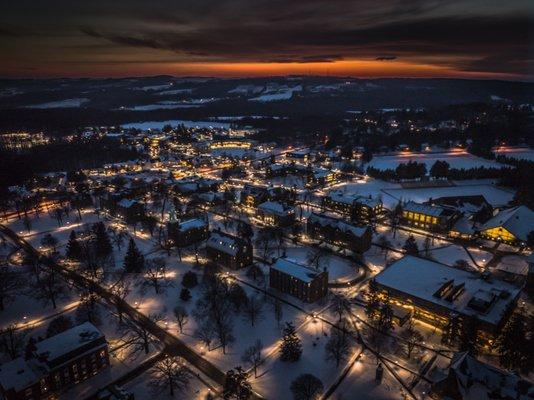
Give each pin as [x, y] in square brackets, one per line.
[173, 345]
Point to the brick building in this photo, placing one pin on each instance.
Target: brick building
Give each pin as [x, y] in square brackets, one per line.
[300, 281]
[228, 250]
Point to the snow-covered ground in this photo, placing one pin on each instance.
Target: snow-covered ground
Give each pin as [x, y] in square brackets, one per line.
[146, 125]
[456, 159]
[67, 103]
[283, 93]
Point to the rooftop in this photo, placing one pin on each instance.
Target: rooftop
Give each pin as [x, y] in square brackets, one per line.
[67, 341]
[276, 208]
[519, 221]
[460, 291]
[299, 271]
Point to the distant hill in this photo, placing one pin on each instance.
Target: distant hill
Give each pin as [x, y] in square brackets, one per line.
[63, 104]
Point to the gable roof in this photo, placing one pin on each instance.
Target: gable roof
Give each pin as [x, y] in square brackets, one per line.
[296, 270]
[519, 221]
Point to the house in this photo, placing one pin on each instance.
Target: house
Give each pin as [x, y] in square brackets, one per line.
[56, 363]
[130, 209]
[511, 226]
[467, 378]
[188, 232]
[467, 205]
[253, 195]
[321, 177]
[300, 281]
[277, 214]
[435, 292]
[302, 156]
[339, 233]
[228, 250]
[462, 229]
[428, 217]
[358, 208]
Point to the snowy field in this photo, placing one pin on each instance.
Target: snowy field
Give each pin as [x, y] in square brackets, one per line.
[458, 159]
[517, 153]
[67, 103]
[146, 125]
[150, 107]
[497, 197]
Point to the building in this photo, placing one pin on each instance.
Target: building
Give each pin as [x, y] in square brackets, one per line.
[339, 233]
[427, 217]
[228, 250]
[113, 392]
[467, 378]
[56, 363]
[467, 205]
[462, 229]
[511, 226]
[253, 195]
[196, 184]
[276, 214]
[186, 233]
[302, 156]
[300, 281]
[434, 293]
[358, 208]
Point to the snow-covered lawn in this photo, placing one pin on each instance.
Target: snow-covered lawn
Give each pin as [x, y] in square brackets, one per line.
[457, 159]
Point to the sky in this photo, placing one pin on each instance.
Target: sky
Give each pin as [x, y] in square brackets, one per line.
[483, 39]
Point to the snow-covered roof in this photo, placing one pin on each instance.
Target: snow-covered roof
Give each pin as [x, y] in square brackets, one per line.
[513, 264]
[424, 279]
[425, 209]
[67, 341]
[195, 223]
[223, 242]
[352, 198]
[476, 380]
[343, 226]
[274, 207]
[299, 271]
[519, 221]
[19, 374]
[126, 203]
[463, 225]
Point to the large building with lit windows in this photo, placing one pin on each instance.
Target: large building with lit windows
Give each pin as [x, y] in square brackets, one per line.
[361, 209]
[435, 293]
[276, 214]
[300, 281]
[427, 217]
[228, 250]
[55, 364]
[339, 233]
[510, 226]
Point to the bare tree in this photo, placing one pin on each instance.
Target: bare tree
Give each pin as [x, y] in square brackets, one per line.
[338, 346]
[49, 288]
[385, 245]
[252, 310]
[169, 373]
[317, 257]
[215, 307]
[205, 334]
[27, 223]
[10, 285]
[341, 305]
[264, 240]
[411, 338]
[278, 311]
[88, 311]
[182, 317]
[156, 275]
[121, 288]
[252, 355]
[135, 336]
[12, 341]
